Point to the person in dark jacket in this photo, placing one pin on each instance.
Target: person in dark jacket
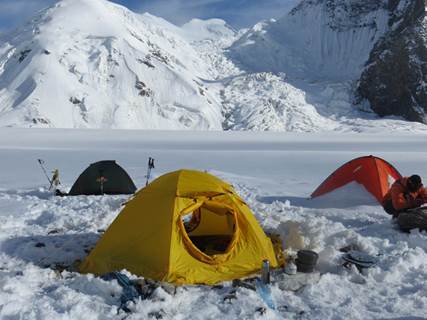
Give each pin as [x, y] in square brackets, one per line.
[404, 197]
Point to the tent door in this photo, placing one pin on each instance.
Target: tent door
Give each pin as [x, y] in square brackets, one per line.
[210, 228]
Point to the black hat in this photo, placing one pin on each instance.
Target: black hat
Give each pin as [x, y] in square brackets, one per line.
[414, 183]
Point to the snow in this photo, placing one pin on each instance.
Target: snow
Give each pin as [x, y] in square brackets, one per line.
[95, 64]
[211, 29]
[275, 174]
[274, 103]
[334, 46]
[299, 73]
[85, 64]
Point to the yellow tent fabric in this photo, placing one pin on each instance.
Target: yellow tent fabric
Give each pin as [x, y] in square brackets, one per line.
[150, 238]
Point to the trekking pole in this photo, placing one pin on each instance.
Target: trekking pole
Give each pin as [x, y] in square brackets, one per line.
[41, 162]
[150, 166]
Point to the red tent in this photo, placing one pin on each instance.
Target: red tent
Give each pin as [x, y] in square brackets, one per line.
[375, 174]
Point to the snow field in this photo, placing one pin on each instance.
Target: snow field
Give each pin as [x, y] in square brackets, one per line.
[274, 173]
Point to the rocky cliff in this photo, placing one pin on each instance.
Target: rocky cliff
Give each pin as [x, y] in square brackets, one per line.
[394, 81]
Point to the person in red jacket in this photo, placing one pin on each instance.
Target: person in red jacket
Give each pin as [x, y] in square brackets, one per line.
[405, 193]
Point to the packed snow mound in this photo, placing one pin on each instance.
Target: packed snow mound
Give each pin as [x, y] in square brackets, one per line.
[95, 64]
[350, 195]
[318, 39]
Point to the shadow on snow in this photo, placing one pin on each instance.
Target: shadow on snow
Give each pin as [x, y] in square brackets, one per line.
[51, 250]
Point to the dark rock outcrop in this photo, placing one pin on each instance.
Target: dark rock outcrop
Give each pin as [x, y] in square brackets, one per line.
[394, 81]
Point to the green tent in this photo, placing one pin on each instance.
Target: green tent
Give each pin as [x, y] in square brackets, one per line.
[103, 177]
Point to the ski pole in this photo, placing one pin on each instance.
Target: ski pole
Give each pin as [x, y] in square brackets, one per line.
[150, 166]
[41, 162]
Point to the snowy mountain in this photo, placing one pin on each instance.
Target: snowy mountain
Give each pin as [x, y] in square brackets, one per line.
[317, 40]
[299, 73]
[213, 29]
[94, 64]
[330, 41]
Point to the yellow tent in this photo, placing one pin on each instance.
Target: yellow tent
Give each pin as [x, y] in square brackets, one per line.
[186, 227]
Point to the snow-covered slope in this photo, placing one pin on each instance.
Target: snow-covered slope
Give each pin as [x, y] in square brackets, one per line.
[317, 40]
[310, 61]
[92, 63]
[213, 29]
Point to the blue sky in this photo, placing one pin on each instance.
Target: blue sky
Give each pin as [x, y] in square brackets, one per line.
[238, 13]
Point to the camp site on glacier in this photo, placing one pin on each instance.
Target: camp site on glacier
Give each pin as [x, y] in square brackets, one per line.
[226, 159]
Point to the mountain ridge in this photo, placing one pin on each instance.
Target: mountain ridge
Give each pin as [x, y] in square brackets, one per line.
[118, 69]
[124, 70]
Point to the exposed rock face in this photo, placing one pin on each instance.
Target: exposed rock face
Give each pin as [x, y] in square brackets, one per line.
[394, 81]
